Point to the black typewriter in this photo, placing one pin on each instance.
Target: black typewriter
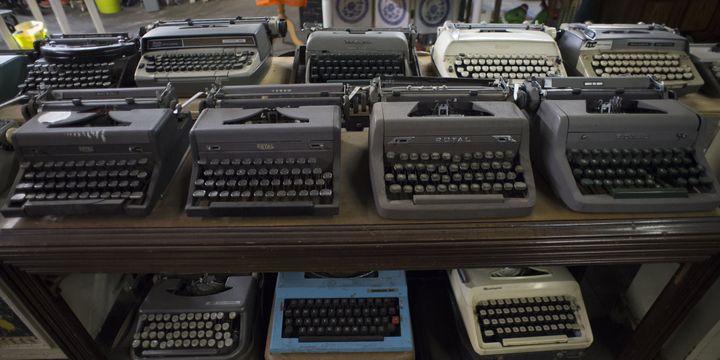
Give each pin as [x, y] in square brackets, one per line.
[623, 145]
[83, 61]
[208, 317]
[442, 148]
[267, 150]
[98, 152]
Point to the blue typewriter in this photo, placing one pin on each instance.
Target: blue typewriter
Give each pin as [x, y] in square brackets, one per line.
[317, 315]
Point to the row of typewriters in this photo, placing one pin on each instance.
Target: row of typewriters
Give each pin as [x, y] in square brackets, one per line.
[610, 138]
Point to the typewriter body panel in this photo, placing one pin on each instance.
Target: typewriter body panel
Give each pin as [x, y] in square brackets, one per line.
[648, 155]
[522, 311]
[268, 156]
[707, 61]
[380, 298]
[83, 61]
[629, 50]
[195, 54]
[358, 55]
[469, 160]
[8, 162]
[98, 152]
[13, 70]
[217, 326]
[491, 51]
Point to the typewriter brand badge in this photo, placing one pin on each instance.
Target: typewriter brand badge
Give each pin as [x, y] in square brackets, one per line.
[265, 146]
[452, 139]
[629, 136]
[504, 138]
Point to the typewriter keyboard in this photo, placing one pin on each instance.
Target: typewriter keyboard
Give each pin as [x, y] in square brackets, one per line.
[71, 76]
[263, 179]
[506, 320]
[198, 62]
[343, 319]
[125, 179]
[639, 173]
[498, 173]
[481, 66]
[190, 334]
[355, 67]
[662, 66]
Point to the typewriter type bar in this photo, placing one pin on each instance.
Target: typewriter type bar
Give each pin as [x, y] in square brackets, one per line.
[267, 151]
[449, 152]
[632, 149]
[87, 153]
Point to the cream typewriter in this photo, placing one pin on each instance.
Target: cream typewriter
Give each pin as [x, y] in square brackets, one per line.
[490, 51]
[521, 310]
[629, 49]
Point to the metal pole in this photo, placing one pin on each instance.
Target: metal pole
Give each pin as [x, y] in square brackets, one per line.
[327, 12]
[7, 36]
[59, 12]
[95, 16]
[476, 11]
[35, 10]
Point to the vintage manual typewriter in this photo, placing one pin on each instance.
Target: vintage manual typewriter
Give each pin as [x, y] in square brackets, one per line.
[267, 150]
[620, 145]
[629, 50]
[83, 61]
[489, 51]
[213, 317]
[442, 148]
[356, 56]
[98, 152]
[195, 53]
[707, 60]
[359, 316]
[521, 313]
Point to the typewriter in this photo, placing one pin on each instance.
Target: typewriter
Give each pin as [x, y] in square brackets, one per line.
[448, 148]
[629, 50]
[320, 316]
[707, 60]
[521, 313]
[212, 317]
[82, 61]
[356, 56]
[98, 151]
[267, 150]
[195, 53]
[621, 145]
[491, 51]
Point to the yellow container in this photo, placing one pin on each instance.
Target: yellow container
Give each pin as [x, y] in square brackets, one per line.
[108, 6]
[27, 32]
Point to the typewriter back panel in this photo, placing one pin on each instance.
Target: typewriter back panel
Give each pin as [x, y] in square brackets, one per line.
[181, 37]
[162, 297]
[365, 43]
[503, 43]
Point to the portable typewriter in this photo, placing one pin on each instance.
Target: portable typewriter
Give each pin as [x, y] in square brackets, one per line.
[629, 50]
[521, 313]
[707, 60]
[621, 145]
[195, 53]
[491, 51]
[98, 151]
[320, 316]
[83, 61]
[442, 148]
[212, 317]
[267, 150]
[356, 56]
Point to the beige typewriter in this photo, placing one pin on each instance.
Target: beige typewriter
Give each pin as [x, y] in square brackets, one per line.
[514, 52]
[629, 50]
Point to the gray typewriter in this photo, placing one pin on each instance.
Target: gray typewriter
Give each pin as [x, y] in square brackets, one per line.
[623, 50]
[707, 60]
[267, 150]
[359, 55]
[621, 145]
[210, 317]
[448, 148]
[98, 151]
[194, 54]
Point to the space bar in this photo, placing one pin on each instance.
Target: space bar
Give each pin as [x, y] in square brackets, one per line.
[535, 340]
[340, 338]
[648, 193]
[180, 352]
[456, 199]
